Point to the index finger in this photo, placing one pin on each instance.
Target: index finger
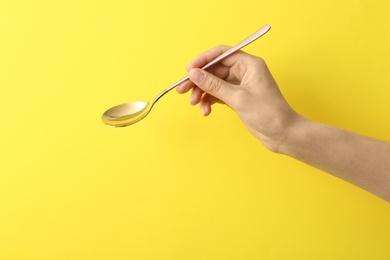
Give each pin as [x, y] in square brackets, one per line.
[207, 56]
[213, 53]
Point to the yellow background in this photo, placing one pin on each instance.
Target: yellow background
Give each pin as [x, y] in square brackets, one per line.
[178, 185]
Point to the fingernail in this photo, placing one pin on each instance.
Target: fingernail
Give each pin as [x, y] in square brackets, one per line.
[196, 76]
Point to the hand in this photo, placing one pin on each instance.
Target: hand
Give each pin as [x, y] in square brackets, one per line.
[245, 84]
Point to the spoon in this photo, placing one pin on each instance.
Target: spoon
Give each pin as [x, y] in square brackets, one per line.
[132, 112]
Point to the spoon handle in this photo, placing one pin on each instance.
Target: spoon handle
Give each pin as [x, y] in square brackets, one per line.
[256, 35]
[263, 30]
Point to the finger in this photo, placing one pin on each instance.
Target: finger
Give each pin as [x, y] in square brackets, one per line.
[196, 96]
[231, 68]
[213, 53]
[220, 71]
[206, 103]
[207, 56]
[213, 85]
[185, 87]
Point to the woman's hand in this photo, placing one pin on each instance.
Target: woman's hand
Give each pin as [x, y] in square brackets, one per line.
[245, 84]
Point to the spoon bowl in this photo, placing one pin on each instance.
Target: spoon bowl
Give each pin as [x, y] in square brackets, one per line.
[132, 112]
[125, 114]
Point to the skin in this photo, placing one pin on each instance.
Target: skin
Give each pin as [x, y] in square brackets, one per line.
[245, 84]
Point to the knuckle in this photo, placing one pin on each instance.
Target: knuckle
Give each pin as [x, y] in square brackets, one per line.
[222, 47]
[259, 62]
[214, 85]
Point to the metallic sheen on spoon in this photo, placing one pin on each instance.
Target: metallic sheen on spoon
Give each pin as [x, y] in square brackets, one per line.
[132, 112]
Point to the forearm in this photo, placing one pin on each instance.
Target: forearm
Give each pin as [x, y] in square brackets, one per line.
[358, 159]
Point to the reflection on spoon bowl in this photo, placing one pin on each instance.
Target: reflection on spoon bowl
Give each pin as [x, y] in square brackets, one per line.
[125, 114]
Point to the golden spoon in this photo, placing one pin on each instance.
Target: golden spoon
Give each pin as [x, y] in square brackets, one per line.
[132, 112]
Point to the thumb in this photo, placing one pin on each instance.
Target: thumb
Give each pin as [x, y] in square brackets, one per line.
[211, 84]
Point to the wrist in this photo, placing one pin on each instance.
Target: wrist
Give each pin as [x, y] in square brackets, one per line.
[293, 135]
